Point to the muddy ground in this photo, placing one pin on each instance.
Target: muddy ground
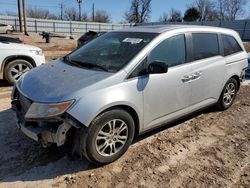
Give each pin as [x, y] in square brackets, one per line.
[207, 149]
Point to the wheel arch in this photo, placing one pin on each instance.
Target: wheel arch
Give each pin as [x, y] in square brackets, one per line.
[86, 121]
[237, 78]
[15, 57]
[129, 110]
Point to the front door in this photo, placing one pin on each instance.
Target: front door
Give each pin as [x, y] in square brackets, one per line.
[165, 95]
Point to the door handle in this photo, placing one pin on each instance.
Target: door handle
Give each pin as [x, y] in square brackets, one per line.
[186, 78]
[196, 75]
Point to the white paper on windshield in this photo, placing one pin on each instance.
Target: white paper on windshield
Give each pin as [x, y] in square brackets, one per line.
[132, 40]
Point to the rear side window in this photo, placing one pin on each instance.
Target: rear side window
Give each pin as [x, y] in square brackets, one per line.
[230, 45]
[205, 45]
[171, 51]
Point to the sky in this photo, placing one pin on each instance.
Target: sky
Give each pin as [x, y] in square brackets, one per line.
[115, 8]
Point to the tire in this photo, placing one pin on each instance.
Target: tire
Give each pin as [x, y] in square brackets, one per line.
[8, 31]
[228, 94]
[92, 140]
[14, 69]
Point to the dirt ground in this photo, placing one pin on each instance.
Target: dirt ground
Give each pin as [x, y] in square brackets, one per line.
[207, 149]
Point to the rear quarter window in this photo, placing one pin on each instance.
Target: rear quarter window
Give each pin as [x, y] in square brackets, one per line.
[230, 45]
[205, 45]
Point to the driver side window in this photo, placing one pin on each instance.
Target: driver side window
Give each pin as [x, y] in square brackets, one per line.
[171, 51]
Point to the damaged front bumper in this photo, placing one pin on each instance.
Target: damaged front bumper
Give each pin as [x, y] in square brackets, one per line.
[46, 130]
[45, 135]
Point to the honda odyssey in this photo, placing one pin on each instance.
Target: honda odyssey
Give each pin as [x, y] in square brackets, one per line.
[127, 82]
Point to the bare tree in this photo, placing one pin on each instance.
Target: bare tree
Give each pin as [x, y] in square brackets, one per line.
[40, 13]
[71, 14]
[175, 16]
[102, 16]
[139, 11]
[233, 8]
[9, 13]
[207, 9]
[164, 17]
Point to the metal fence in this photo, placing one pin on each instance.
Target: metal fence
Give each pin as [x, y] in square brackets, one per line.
[241, 26]
[59, 26]
[73, 27]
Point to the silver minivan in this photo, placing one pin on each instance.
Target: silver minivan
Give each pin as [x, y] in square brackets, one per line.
[127, 82]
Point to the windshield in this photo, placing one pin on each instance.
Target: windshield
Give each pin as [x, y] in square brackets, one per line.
[111, 51]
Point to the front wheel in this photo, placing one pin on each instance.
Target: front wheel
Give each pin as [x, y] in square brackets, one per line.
[108, 137]
[8, 31]
[228, 94]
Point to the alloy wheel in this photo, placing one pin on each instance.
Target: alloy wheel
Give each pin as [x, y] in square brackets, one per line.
[112, 137]
[18, 70]
[229, 94]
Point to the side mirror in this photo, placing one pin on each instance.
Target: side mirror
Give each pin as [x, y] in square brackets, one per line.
[157, 67]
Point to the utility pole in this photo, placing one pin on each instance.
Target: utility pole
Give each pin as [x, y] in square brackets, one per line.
[93, 12]
[221, 14]
[61, 6]
[80, 12]
[20, 16]
[25, 18]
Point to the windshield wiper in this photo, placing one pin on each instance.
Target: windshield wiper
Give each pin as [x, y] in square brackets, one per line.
[85, 64]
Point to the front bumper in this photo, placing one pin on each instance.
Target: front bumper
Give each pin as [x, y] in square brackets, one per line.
[45, 135]
[45, 131]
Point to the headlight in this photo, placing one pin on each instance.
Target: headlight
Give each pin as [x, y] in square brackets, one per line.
[37, 52]
[43, 110]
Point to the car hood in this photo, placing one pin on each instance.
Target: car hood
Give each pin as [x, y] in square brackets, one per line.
[17, 46]
[56, 80]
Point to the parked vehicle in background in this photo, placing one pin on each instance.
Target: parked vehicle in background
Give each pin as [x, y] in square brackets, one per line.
[4, 28]
[16, 59]
[248, 68]
[87, 37]
[5, 39]
[127, 82]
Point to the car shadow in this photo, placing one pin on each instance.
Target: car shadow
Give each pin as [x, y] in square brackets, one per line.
[21, 159]
[174, 123]
[4, 83]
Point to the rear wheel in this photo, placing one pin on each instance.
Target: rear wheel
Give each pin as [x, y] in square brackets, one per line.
[108, 137]
[15, 69]
[228, 94]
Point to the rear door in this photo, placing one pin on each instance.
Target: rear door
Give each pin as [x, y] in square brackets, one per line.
[208, 69]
